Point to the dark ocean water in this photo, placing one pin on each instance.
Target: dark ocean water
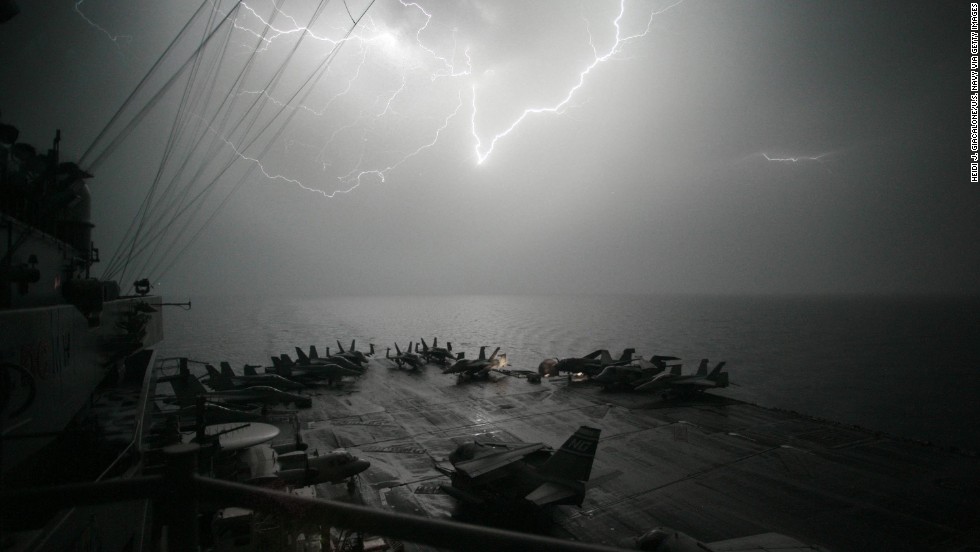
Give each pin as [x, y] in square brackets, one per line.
[909, 366]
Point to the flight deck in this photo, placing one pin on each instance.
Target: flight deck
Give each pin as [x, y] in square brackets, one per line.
[711, 467]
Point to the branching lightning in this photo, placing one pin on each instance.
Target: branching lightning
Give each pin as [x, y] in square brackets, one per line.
[558, 107]
[112, 37]
[794, 159]
[416, 57]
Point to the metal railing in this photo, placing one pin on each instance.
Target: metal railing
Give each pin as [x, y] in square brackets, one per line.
[179, 490]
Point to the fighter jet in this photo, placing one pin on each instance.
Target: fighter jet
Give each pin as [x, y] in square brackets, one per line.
[352, 354]
[302, 359]
[413, 360]
[486, 472]
[310, 373]
[227, 379]
[477, 368]
[442, 355]
[187, 389]
[688, 385]
[630, 376]
[593, 363]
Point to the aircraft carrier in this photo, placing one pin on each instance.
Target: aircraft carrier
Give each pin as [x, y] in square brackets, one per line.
[714, 468]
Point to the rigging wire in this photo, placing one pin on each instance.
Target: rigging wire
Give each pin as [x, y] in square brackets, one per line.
[321, 70]
[153, 238]
[175, 132]
[114, 143]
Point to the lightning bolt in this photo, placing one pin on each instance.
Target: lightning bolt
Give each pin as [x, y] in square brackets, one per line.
[794, 159]
[114, 38]
[446, 67]
[558, 107]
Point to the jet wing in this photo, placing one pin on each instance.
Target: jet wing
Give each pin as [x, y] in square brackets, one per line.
[549, 493]
[487, 463]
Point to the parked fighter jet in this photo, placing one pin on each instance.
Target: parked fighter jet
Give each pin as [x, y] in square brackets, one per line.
[507, 472]
[352, 354]
[227, 379]
[630, 376]
[477, 368]
[310, 373]
[593, 363]
[302, 359]
[688, 385]
[442, 355]
[187, 389]
[402, 358]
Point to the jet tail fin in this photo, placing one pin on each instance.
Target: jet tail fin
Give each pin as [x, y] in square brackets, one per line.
[301, 356]
[425, 346]
[341, 347]
[397, 350]
[605, 357]
[186, 387]
[226, 369]
[483, 353]
[716, 375]
[703, 367]
[249, 370]
[627, 355]
[217, 380]
[494, 355]
[574, 459]
[313, 353]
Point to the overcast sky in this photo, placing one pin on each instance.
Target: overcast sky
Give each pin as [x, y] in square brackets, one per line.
[720, 147]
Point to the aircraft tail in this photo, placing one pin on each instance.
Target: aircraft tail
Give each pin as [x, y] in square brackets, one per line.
[301, 357]
[574, 459]
[627, 355]
[425, 346]
[341, 347]
[313, 353]
[352, 347]
[483, 353]
[397, 350]
[217, 381]
[494, 355]
[226, 369]
[703, 368]
[186, 387]
[675, 370]
[286, 361]
[605, 357]
[275, 362]
[449, 346]
[719, 377]
[249, 370]
[371, 347]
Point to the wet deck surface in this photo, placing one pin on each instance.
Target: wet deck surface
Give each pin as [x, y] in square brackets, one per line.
[713, 468]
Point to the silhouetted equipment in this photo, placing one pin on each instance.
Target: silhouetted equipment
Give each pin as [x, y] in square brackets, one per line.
[142, 286]
[442, 355]
[477, 368]
[591, 364]
[489, 472]
[688, 385]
